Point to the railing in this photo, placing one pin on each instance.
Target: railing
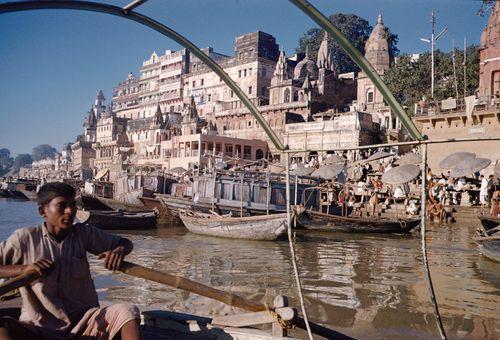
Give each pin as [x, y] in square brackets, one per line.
[482, 103]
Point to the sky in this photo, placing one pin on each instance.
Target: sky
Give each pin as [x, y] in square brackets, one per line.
[53, 62]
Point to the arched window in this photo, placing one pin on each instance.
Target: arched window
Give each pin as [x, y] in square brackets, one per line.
[271, 122]
[295, 96]
[259, 154]
[369, 96]
[286, 96]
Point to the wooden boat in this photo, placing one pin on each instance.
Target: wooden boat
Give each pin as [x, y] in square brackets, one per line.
[489, 246]
[30, 194]
[86, 202]
[121, 205]
[162, 325]
[319, 221]
[164, 213]
[264, 227]
[118, 219]
[488, 222]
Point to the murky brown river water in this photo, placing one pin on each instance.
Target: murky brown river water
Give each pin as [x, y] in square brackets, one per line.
[366, 286]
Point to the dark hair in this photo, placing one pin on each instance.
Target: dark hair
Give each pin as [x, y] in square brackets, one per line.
[52, 190]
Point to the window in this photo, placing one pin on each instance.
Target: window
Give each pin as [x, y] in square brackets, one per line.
[247, 152]
[231, 94]
[194, 83]
[239, 74]
[244, 72]
[202, 82]
[209, 97]
[250, 71]
[369, 96]
[249, 90]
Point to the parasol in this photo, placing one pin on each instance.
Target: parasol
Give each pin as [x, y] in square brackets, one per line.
[455, 158]
[401, 174]
[378, 155]
[301, 170]
[409, 158]
[328, 171]
[334, 159]
[276, 168]
[177, 169]
[469, 166]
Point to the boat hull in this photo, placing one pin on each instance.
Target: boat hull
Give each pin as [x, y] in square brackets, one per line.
[164, 212]
[120, 220]
[489, 222]
[319, 221]
[263, 228]
[489, 248]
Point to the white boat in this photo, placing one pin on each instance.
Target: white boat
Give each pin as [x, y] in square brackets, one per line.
[263, 227]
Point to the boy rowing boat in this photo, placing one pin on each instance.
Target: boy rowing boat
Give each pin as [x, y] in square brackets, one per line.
[63, 303]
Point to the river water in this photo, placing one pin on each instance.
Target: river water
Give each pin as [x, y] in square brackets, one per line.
[366, 286]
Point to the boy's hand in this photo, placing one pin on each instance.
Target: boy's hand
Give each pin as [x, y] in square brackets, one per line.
[42, 267]
[113, 258]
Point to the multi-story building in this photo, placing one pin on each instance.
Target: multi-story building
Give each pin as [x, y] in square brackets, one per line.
[251, 68]
[149, 86]
[489, 55]
[126, 98]
[173, 67]
[111, 145]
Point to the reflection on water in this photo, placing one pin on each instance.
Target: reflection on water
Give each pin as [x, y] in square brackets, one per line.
[367, 286]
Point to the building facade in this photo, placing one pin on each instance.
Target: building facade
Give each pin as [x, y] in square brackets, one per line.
[489, 56]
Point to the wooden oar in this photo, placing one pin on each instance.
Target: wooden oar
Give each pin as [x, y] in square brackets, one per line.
[228, 298]
[18, 282]
[184, 284]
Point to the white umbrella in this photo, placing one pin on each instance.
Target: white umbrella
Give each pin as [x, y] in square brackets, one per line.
[334, 159]
[301, 170]
[378, 155]
[469, 166]
[328, 171]
[401, 174]
[409, 158]
[455, 158]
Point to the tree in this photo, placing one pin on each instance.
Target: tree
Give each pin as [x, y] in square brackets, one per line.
[21, 160]
[356, 29]
[5, 159]
[43, 151]
[410, 79]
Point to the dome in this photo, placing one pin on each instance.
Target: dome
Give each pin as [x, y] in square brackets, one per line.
[306, 67]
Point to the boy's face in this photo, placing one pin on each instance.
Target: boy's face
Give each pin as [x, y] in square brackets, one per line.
[59, 212]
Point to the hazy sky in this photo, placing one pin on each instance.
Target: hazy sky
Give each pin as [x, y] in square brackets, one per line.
[53, 62]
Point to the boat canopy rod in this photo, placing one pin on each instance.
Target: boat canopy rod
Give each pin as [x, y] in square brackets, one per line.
[18, 6]
[134, 4]
[361, 61]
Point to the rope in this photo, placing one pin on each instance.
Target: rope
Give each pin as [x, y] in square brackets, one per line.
[284, 324]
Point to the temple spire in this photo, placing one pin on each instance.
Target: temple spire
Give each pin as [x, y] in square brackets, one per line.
[324, 56]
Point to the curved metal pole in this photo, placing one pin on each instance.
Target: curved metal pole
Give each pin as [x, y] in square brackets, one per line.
[157, 26]
[361, 61]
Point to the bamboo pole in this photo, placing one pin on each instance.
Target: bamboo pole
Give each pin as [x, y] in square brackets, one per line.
[268, 191]
[241, 194]
[423, 222]
[292, 250]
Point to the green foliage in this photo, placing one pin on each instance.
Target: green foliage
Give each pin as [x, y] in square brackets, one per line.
[5, 159]
[356, 29]
[43, 151]
[21, 160]
[410, 80]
